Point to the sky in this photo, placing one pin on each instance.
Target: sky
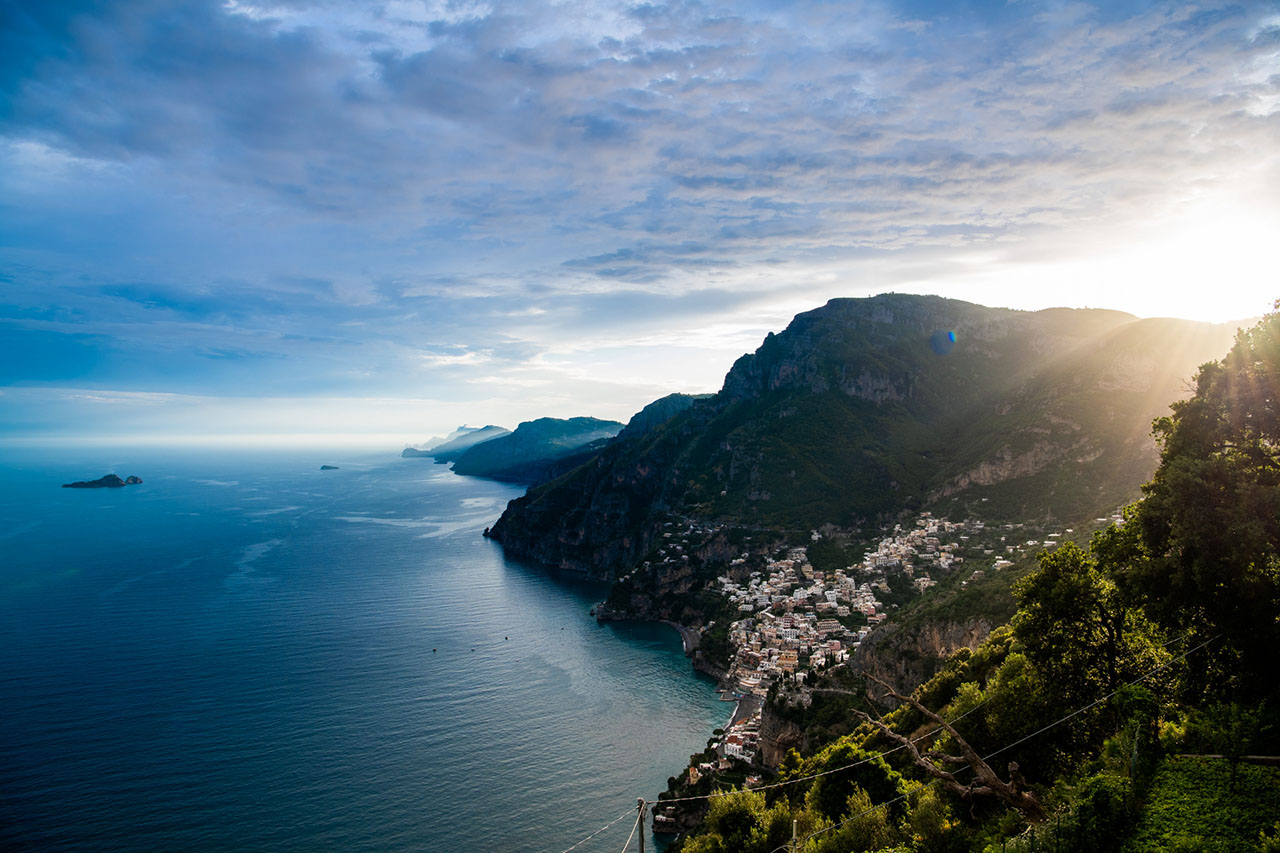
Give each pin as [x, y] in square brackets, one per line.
[314, 221]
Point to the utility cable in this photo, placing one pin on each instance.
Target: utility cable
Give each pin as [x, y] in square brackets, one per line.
[1007, 747]
[928, 735]
[627, 846]
[799, 779]
[600, 830]
[1097, 702]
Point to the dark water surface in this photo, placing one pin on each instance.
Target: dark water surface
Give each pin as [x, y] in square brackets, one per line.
[248, 653]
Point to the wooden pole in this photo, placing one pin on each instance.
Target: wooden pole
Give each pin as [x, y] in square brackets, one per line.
[640, 821]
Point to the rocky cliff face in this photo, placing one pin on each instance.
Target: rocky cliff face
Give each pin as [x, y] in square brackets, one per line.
[777, 737]
[907, 657]
[658, 413]
[606, 514]
[868, 408]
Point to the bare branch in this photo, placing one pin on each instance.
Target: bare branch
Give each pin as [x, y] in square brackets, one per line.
[1015, 793]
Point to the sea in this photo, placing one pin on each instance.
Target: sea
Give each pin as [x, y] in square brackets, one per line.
[246, 652]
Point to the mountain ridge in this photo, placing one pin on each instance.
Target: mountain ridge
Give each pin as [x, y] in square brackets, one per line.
[864, 409]
[535, 449]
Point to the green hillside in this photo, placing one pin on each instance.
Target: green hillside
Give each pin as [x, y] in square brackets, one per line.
[866, 409]
[1129, 704]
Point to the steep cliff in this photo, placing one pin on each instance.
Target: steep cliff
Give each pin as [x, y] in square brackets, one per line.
[906, 656]
[778, 736]
[868, 408]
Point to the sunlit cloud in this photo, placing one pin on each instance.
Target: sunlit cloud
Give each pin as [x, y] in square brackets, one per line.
[538, 206]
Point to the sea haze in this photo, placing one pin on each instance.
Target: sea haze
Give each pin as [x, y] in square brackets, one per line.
[246, 652]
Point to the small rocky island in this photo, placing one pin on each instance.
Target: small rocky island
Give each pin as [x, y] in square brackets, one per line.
[328, 467]
[110, 481]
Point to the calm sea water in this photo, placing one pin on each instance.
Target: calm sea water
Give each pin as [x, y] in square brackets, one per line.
[248, 653]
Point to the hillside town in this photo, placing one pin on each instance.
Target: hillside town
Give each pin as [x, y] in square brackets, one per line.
[797, 621]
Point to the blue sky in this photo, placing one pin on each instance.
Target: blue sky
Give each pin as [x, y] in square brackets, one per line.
[385, 219]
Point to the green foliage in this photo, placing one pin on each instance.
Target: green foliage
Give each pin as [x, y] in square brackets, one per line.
[958, 600]
[1207, 555]
[1269, 842]
[866, 827]
[715, 645]
[742, 822]
[1191, 806]
[729, 823]
[830, 553]
[829, 794]
[1134, 750]
[1102, 812]
[1228, 729]
[930, 824]
[1076, 628]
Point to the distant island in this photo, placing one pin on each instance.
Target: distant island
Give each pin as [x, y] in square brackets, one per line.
[110, 481]
[328, 467]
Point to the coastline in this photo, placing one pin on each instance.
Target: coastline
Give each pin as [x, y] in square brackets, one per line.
[689, 636]
[747, 704]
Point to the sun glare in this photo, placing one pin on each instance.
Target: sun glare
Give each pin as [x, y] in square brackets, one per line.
[1210, 260]
[1216, 263]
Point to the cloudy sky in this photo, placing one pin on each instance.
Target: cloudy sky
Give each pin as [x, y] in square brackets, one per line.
[389, 218]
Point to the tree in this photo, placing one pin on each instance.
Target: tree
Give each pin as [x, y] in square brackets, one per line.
[1206, 555]
[1071, 624]
[1076, 627]
[985, 781]
[866, 771]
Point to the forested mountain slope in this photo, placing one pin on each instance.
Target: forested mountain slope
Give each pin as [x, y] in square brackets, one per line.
[865, 409]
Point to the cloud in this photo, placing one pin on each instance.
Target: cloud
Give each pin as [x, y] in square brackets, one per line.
[230, 194]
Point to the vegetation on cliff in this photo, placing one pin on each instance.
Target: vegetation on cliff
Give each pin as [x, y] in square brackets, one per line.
[868, 408]
[1122, 657]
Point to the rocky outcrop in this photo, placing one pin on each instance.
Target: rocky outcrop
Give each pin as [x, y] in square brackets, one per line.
[778, 736]
[865, 409]
[110, 481]
[877, 389]
[906, 657]
[658, 413]
[1006, 464]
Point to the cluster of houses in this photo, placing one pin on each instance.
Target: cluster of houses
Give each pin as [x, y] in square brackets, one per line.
[794, 623]
[797, 620]
[739, 743]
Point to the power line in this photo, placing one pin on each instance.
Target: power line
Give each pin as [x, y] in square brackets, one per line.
[799, 779]
[1007, 747]
[1103, 699]
[924, 737]
[627, 813]
[631, 836]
